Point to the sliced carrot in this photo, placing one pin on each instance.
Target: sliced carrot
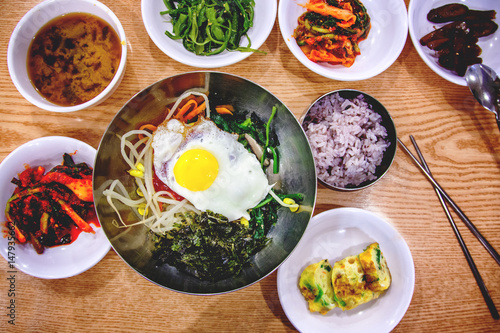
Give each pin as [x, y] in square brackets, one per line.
[191, 104]
[224, 109]
[195, 112]
[149, 127]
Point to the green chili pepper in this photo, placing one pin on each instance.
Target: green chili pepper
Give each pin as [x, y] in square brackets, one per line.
[276, 162]
[268, 125]
[320, 29]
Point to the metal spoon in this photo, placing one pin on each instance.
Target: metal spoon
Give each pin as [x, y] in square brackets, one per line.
[481, 81]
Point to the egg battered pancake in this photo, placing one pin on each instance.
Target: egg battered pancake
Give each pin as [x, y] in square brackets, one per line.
[352, 281]
[348, 280]
[316, 286]
[377, 274]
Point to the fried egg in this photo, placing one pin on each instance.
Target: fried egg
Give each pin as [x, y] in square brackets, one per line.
[208, 167]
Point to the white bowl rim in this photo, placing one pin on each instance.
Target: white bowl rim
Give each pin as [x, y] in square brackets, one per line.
[214, 60]
[355, 228]
[390, 120]
[432, 63]
[320, 69]
[53, 107]
[25, 257]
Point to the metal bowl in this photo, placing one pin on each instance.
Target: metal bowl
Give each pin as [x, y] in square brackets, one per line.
[297, 174]
[387, 122]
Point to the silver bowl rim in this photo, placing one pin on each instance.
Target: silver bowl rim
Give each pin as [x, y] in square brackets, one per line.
[313, 206]
[393, 141]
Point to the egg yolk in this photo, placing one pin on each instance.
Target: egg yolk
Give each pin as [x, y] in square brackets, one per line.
[196, 170]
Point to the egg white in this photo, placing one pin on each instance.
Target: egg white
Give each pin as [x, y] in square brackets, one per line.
[240, 183]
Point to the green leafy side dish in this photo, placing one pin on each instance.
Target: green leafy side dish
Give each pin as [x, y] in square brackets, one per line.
[208, 27]
[209, 246]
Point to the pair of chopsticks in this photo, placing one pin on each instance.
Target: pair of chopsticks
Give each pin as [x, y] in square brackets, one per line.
[442, 195]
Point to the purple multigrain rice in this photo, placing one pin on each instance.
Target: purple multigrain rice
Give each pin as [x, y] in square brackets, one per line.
[347, 140]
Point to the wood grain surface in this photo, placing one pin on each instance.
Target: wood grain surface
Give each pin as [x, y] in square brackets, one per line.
[459, 138]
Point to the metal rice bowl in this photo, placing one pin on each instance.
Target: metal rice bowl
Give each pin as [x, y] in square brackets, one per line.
[386, 121]
[297, 175]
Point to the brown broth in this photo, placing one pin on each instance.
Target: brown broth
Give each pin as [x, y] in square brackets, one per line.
[73, 58]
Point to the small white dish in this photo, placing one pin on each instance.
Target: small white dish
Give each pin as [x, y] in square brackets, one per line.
[386, 39]
[156, 25]
[61, 261]
[419, 27]
[26, 30]
[334, 235]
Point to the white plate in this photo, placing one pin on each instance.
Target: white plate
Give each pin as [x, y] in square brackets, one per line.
[334, 235]
[386, 39]
[60, 261]
[156, 25]
[420, 26]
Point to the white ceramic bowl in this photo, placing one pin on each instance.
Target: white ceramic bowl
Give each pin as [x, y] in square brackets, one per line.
[387, 37]
[59, 261]
[334, 235]
[29, 25]
[420, 26]
[156, 25]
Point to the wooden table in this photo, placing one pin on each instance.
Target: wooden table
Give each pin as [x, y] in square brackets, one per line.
[459, 138]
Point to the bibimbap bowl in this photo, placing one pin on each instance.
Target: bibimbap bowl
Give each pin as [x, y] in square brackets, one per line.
[353, 139]
[296, 175]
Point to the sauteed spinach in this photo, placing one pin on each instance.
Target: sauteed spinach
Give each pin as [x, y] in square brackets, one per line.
[209, 27]
[209, 246]
[212, 248]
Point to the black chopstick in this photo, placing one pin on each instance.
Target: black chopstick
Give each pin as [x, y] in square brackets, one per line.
[470, 261]
[457, 209]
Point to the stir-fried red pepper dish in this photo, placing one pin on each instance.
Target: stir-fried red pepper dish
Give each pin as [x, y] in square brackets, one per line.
[53, 208]
[330, 30]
